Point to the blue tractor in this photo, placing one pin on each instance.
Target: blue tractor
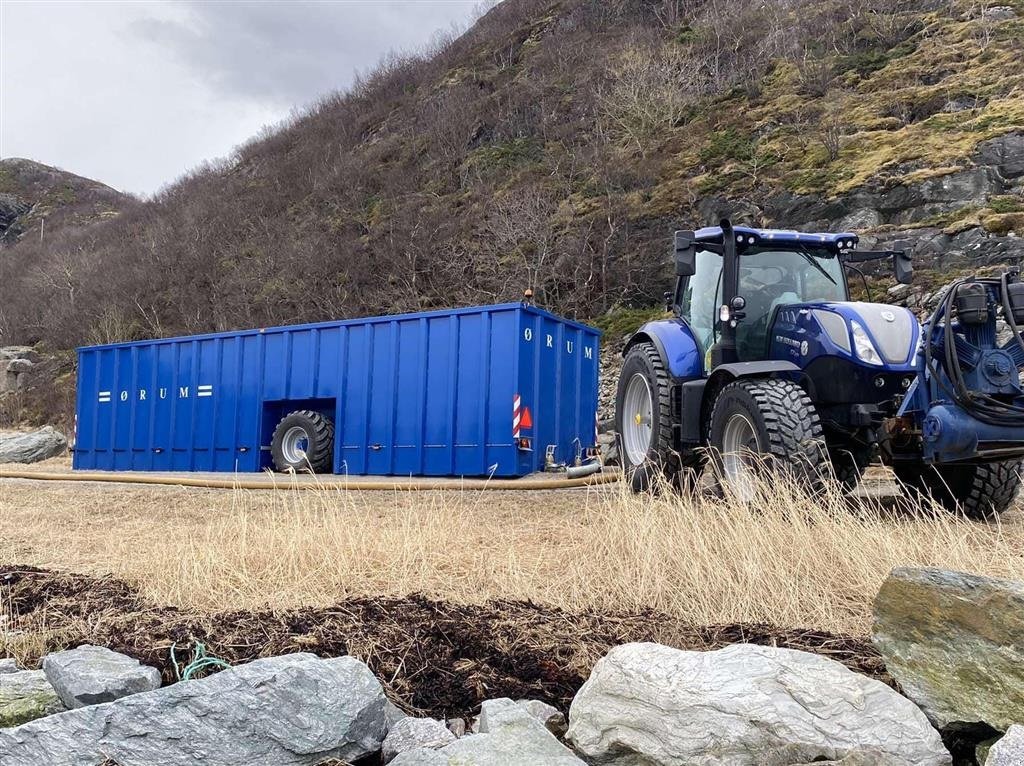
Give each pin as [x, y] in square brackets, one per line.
[767, 365]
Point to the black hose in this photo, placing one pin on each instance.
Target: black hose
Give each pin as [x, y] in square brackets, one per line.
[985, 408]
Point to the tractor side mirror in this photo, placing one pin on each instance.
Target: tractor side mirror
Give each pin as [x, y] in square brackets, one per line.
[903, 266]
[685, 254]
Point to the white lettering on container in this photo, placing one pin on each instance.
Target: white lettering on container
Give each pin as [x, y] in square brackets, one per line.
[183, 392]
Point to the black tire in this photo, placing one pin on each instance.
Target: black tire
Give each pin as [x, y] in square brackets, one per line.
[980, 492]
[789, 436]
[319, 436]
[661, 456]
[849, 461]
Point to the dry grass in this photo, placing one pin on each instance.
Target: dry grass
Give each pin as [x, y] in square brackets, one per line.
[783, 560]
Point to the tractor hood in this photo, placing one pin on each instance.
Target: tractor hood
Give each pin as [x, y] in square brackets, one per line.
[873, 334]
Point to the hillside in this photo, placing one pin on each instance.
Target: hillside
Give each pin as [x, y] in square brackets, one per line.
[41, 200]
[554, 146]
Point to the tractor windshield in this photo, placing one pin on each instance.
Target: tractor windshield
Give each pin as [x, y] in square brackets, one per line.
[773, 278]
[768, 279]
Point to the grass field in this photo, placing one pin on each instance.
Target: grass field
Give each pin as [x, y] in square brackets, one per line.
[784, 560]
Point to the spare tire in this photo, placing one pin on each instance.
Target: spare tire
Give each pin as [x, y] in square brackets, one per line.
[303, 441]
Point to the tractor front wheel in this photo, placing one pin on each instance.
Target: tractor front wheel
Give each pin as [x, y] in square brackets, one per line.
[764, 426]
[980, 492]
[643, 418]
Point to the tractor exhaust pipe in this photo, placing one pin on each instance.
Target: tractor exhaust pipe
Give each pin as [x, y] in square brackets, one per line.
[724, 349]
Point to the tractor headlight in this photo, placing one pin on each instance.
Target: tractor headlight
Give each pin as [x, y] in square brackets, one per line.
[862, 344]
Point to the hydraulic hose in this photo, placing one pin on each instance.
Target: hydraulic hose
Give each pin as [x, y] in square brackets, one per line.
[985, 408]
[604, 477]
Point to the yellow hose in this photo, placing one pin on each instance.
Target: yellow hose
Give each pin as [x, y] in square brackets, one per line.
[606, 477]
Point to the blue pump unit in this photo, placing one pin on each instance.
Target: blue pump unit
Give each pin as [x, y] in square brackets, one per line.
[968, 398]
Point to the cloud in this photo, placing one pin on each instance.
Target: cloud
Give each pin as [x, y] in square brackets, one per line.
[283, 53]
[134, 94]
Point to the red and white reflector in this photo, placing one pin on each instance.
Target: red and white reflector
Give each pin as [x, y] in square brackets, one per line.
[521, 418]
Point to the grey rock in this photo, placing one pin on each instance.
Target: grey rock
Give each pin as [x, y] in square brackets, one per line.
[457, 726]
[550, 716]
[18, 352]
[862, 758]
[742, 706]
[955, 643]
[998, 13]
[1005, 153]
[1009, 750]
[857, 220]
[393, 714]
[413, 733]
[16, 362]
[513, 738]
[31, 446]
[8, 665]
[898, 292]
[294, 710]
[90, 675]
[26, 695]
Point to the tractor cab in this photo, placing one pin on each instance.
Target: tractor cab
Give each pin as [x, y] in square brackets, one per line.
[732, 283]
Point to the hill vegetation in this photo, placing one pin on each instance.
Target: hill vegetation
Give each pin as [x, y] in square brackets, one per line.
[552, 146]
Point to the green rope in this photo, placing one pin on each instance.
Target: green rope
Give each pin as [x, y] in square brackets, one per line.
[200, 661]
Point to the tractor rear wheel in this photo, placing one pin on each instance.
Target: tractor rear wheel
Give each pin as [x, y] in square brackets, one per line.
[643, 419]
[980, 492]
[764, 426]
[303, 441]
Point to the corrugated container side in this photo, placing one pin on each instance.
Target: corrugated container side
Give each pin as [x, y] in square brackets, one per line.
[420, 394]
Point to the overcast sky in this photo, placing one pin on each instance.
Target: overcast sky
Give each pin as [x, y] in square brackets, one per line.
[135, 93]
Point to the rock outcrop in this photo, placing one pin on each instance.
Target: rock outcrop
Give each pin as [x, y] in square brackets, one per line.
[90, 675]
[31, 446]
[955, 643]
[743, 705]
[16, 365]
[294, 710]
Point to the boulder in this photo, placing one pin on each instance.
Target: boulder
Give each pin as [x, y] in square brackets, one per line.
[24, 696]
[743, 705]
[548, 715]
[412, 733]
[31, 446]
[955, 644]
[289, 711]
[509, 737]
[90, 675]
[1009, 750]
[8, 665]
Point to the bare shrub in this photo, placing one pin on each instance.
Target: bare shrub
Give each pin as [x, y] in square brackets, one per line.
[650, 90]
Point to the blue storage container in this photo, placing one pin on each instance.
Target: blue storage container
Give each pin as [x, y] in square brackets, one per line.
[444, 393]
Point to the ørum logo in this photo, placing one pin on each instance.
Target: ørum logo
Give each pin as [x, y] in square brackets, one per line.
[142, 394]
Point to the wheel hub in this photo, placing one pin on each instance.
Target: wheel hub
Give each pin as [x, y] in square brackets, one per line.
[294, 444]
[637, 430]
[740, 461]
